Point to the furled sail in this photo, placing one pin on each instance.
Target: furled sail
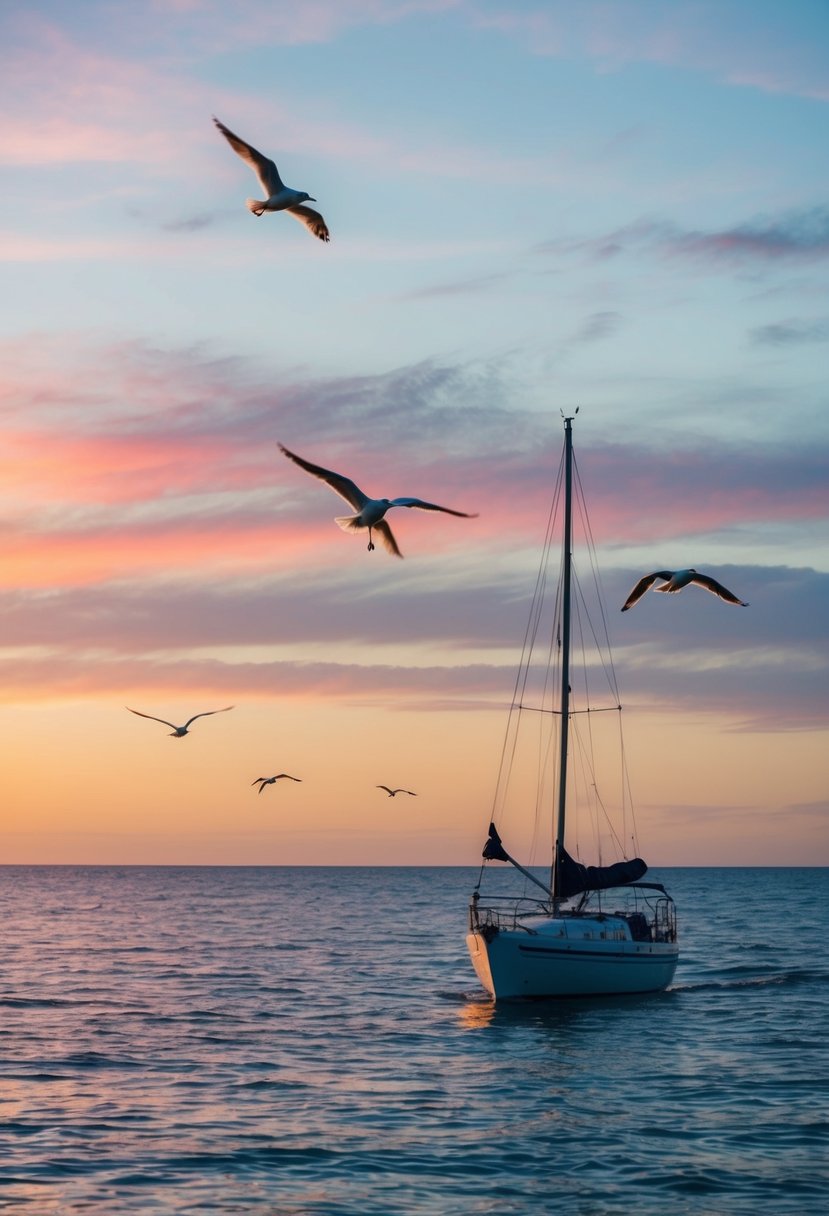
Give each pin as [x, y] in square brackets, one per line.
[572, 877]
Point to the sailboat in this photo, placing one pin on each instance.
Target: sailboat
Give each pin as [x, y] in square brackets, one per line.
[593, 930]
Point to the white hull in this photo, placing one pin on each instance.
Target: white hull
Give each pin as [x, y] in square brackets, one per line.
[569, 957]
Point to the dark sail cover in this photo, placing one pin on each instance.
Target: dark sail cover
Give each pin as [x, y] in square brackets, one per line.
[493, 849]
[572, 877]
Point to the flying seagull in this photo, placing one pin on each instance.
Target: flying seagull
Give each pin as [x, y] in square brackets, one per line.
[675, 580]
[278, 196]
[179, 732]
[263, 781]
[370, 511]
[391, 793]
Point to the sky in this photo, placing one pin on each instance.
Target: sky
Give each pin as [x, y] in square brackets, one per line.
[619, 205]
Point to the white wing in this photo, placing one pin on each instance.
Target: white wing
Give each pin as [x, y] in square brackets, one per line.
[711, 584]
[312, 220]
[265, 169]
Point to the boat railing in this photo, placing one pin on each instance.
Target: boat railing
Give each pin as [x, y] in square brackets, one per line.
[505, 911]
[664, 920]
[650, 919]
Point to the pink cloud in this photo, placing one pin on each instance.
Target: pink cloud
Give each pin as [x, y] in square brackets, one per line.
[58, 140]
[143, 639]
[17, 247]
[92, 428]
[107, 470]
[39, 557]
[78, 104]
[34, 679]
[643, 494]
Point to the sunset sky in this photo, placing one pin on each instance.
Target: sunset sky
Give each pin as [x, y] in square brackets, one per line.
[534, 205]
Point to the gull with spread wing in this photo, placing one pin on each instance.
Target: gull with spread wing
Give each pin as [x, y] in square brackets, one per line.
[675, 580]
[178, 732]
[263, 781]
[370, 511]
[391, 793]
[278, 196]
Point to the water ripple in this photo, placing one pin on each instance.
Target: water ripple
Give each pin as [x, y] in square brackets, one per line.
[313, 1042]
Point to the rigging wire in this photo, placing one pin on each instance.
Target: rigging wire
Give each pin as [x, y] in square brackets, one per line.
[511, 733]
[590, 627]
[606, 654]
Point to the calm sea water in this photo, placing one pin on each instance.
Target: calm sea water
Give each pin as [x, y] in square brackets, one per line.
[289, 1041]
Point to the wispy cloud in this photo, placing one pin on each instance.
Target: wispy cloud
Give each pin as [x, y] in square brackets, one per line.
[244, 638]
[599, 325]
[43, 64]
[57, 141]
[147, 512]
[477, 285]
[773, 56]
[358, 602]
[799, 236]
[793, 332]
[646, 492]
[193, 223]
[131, 111]
[19, 247]
[387, 685]
[131, 425]
[260, 23]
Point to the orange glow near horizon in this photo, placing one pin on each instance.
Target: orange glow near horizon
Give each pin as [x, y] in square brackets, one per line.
[118, 790]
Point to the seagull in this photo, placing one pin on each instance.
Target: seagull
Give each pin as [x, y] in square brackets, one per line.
[278, 196]
[370, 511]
[263, 781]
[179, 732]
[675, 580]
[391, 793]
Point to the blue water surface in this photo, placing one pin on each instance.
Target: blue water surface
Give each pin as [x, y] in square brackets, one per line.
[314, 1041]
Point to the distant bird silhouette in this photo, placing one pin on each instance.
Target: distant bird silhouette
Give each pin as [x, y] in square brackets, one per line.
[263, 781]
[278, 196]
[370, 511]
[178, 732]
[391, 793]
[675, 580]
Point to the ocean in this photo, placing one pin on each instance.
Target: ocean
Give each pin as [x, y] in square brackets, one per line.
[314, 1041]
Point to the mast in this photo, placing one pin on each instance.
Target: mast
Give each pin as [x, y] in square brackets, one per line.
[567, 558]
